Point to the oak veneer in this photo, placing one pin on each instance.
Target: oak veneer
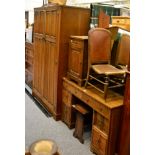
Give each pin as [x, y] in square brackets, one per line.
[106, 115]
[52, 27]
[78, 59]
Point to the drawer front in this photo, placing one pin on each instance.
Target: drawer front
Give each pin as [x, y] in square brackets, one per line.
[101, 122]
[99, 141]
[120, 21]
[102, 109]
[73, 90]
[66, 97]
[76, 44]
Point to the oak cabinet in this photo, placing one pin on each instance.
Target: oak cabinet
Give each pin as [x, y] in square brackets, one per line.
[52, 27]
[78, 59]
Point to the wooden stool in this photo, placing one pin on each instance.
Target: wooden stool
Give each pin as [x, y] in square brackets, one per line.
[79, 124]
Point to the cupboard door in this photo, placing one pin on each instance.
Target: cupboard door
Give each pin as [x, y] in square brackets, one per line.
[38, 64]
[51, 24]
[36, 21]
[50, 69]
[39, 21]
[75, 58]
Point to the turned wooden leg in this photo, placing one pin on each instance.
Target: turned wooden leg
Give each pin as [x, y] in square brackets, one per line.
[106, 87]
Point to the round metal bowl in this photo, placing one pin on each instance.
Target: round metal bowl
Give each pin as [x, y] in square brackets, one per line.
[43, 147]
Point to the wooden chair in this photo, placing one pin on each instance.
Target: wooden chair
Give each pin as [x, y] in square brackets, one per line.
[122, 59]
[123, 52]
[114, 33]
[99, 52]
[104, 19]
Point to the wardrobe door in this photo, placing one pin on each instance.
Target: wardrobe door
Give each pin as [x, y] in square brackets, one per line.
[39, 48]
[49, 75]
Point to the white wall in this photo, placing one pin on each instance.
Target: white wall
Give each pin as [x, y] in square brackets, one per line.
[31, 4]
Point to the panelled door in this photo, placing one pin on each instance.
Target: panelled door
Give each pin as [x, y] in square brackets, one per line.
[50, 59]
[49, 72]
[38, 67]
[75, 58]
[39, 47]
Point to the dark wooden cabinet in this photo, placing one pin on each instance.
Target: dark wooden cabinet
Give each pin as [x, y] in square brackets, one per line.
[52, 27]
[78, 59]
[29, 63]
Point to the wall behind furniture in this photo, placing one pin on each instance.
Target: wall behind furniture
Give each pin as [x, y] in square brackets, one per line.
[31, 4]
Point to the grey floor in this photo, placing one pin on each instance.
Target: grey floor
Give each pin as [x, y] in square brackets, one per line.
[39, 126]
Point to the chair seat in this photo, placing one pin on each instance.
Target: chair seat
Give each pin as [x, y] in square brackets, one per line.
[107, 69]
[122, 67]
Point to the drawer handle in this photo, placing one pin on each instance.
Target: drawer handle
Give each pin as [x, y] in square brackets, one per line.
[117, 21]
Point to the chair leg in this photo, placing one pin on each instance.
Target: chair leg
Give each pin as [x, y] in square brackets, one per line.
[106, 87]
[87, 78]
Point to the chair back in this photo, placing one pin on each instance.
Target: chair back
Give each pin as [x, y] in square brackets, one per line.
[114, 33]
[99, 46]
[123, 51]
